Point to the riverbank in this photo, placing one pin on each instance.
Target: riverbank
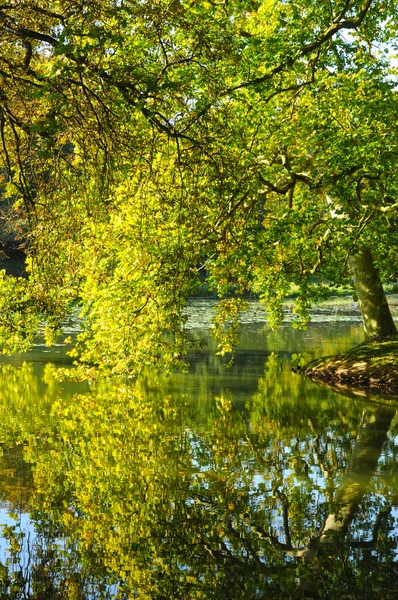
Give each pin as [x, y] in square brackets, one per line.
[371, 365]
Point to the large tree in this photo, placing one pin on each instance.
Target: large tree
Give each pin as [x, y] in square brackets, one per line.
[145, 144]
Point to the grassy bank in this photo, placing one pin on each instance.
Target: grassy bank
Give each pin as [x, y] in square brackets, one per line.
[372, 364]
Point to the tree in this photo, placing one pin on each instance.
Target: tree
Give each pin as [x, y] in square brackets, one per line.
[146, 144]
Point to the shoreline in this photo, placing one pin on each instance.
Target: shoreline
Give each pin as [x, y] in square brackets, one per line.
[371, 365]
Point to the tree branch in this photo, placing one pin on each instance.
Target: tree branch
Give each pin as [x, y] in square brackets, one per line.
[334, 28]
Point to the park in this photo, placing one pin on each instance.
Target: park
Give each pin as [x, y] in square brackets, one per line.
[199, 369]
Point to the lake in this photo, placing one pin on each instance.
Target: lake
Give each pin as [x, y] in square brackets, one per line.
[226, 482]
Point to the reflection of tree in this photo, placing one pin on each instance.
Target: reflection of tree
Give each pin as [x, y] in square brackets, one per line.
[372, 435]
[132, 491]
[39, 569]
[15, 479]
[27, 393]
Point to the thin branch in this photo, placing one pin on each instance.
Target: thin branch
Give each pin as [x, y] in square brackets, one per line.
[334, 28]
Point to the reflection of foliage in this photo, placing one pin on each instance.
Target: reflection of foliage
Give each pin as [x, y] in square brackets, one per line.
[134, 497]
[41, 569]
[15, 478]
[26, 396]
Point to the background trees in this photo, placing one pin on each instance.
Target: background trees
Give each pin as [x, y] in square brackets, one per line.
[149, 143]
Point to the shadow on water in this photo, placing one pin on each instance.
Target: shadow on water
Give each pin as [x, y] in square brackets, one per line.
[249, 482]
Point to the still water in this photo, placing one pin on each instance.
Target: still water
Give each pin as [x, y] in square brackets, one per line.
[242, 482]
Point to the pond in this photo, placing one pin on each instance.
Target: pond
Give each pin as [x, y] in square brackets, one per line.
[240, 482]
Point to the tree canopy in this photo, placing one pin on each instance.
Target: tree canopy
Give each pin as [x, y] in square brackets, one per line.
[149, 146]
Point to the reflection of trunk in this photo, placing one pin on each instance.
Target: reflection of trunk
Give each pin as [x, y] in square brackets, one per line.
[371, 436]
[372, 301]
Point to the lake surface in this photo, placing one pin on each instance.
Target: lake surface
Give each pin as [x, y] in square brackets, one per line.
[240, 482]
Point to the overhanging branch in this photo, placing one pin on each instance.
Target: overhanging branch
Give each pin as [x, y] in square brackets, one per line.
[307, 49]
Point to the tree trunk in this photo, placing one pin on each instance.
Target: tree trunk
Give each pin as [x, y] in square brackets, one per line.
[372, 302]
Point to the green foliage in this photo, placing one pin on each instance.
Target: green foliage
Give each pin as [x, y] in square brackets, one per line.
[150, 143]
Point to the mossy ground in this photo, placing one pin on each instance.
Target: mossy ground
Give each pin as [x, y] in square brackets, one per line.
[372, 364]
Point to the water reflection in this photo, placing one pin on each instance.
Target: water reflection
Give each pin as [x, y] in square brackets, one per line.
[246, 483]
